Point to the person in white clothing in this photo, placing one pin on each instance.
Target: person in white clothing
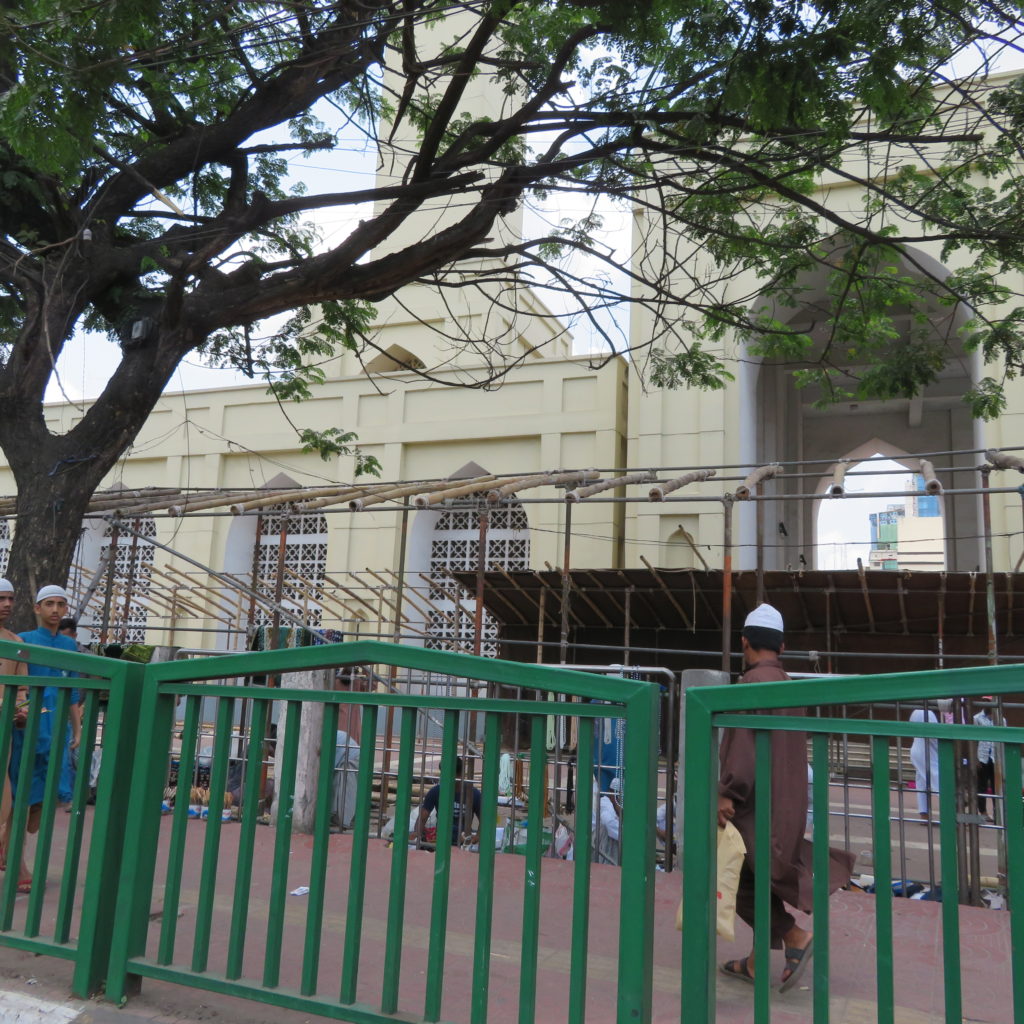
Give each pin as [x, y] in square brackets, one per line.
[986, 766]
[924, 755]
[608, 825]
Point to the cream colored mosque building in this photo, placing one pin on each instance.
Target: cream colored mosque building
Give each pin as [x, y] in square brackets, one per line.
[554, 411]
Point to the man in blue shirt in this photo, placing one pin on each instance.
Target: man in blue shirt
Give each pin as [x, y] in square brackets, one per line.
[51, 606]
[465, 807]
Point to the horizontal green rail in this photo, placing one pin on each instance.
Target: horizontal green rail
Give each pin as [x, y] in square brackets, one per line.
[761, 708]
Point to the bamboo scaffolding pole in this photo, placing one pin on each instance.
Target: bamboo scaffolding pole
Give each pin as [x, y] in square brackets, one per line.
[355, 597]
[288, 497]
[932, 485]
[433, 497]
[356, 493]
[668, 593]
[403, 491]
[758, 476]
[837, 488]
[580, 493]
[218, 501]
[429, 607]
[554, 478]
[658, 491]
[199, 598]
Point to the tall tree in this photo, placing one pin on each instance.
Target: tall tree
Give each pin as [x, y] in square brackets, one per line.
[145, 155]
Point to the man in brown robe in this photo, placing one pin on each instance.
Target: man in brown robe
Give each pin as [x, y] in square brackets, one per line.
[792, 878]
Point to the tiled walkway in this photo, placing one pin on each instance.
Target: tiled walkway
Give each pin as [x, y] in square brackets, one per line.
[918, 965]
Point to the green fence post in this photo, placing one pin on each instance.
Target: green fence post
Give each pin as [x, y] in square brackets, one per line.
[100, 921]
[636, 906]
[700, 797]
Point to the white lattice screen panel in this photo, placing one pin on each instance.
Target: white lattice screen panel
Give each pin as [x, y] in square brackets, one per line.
[455, 546]
[132, 575]
[305, 554]
[5, 545]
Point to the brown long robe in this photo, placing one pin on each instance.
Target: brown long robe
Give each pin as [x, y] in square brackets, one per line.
[792, 864]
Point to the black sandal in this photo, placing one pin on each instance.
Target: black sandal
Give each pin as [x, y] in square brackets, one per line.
[796, 963]
[739, 969]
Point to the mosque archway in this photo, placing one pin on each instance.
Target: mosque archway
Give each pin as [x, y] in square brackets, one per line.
[781, 423]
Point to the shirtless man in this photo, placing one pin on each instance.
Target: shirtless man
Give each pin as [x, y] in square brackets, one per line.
[9, 667]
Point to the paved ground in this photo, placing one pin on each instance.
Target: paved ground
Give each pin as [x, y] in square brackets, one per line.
[35, 989]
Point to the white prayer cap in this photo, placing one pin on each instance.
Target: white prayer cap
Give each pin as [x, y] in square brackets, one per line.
[52, 590]
[766, 617]
[615, 786]
[6, 587]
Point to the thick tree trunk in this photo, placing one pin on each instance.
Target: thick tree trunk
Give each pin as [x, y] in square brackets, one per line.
[49, 523]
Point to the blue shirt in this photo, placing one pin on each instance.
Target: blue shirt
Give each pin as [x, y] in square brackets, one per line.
[44, 638]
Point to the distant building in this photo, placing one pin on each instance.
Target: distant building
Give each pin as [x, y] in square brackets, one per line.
[911, 535]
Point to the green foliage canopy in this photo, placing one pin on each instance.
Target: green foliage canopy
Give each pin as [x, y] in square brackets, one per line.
[145, 188]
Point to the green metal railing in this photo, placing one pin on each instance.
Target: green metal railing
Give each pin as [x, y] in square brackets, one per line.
[750, 706]
[342, 984]
[81, 921]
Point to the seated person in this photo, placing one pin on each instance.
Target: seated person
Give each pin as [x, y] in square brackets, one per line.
[607, 824]
[465, 806]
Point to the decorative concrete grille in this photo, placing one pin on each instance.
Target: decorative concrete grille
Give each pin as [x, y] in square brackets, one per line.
[305, 556]
[132, 570]
[455, 546]
[5, 545]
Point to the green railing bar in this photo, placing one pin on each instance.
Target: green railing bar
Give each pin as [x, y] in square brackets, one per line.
[882, 853]
[485, 870]
[284, 801]
[862, 727]
[699, 846]
[820, 831]
[321, 838]
[762, 874]
[19, 816]
[442, 870]
[636, 901]
[581, 873]
[249, 814]
[211, 844]
[402, 700]
[287, 999]
[950, 882]
[179, 824]
[76, 826]
[1014, 812]
[900, 686]
[531, 872]
[399, 863]
[357, 865]
[44, 837]
[371, 652]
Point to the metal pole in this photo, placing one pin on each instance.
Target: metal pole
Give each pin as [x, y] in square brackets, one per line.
[727, 504]
[481, 568]
[990, 586]
[564, 650]
[115, 533]
[396, 635]
[759, 512]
